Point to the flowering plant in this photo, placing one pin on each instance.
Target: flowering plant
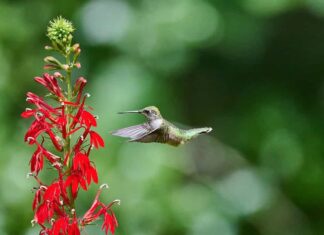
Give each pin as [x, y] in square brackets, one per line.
[67, 124]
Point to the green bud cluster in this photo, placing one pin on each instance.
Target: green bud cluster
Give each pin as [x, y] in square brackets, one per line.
[60, 32]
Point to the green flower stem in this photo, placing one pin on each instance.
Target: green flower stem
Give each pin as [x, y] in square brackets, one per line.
[60, 32]
[68, 110]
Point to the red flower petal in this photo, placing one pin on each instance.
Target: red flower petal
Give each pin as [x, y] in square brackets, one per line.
[53, 137]
[94, 174]
[53, 192]
[78, 87]
[50, 82]
[60, 226]
[96, 140]
[81, 162]
[43, 213]
[34, 131]
[88, 119]
[37, 161]
[110, 223]
[72, 180]
[37, 198]
[28, 113]
[74, 229]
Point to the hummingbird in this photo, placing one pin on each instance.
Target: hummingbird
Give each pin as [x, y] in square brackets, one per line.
[157, 129]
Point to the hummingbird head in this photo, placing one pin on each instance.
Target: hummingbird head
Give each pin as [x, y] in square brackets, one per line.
[151, 112]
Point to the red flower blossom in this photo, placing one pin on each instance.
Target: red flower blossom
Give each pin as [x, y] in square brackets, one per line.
[82, 173]
[110, 222]
[40, 103]
[60, 226]
[28, 113]
[64, 226]
[50, 82]
[44, 213]
[37, 160]
[96, 140]
[78, 88]
[74, 180]
[88, 119]
[74, 228]
[53, 193]
[38, 197]
[98, 209]
[81, 163]
[39, 126]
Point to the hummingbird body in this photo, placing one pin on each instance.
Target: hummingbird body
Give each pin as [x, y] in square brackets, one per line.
[158, 130]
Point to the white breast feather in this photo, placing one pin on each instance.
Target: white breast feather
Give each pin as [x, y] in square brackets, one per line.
[155, 124]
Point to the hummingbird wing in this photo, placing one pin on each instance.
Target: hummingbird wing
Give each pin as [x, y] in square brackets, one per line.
[134, 132]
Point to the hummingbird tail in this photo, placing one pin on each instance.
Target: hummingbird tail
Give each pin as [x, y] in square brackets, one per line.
[192, 133]
[203, 130]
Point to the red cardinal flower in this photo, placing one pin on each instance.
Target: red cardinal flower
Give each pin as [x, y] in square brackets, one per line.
[38, 197]
[39, 126]
[74, 228]
[110, 222]
[28, 113]
[37, 160]
[98, 209]
[43, 213]
[78, 87]
[81, 163]
[40, 103]
[65, 226]
[50, 82]
[56, 126]
[88, 119]
[60, 226]
[53, 193]
[82, 173]
[73, 181]
[96, 140]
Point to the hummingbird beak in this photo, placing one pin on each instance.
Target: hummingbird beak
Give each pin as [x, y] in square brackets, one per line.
[133, 111]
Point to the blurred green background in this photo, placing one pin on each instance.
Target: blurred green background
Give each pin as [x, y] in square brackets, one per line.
[251, 69]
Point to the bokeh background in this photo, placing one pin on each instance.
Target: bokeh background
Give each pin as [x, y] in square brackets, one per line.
[251, 69]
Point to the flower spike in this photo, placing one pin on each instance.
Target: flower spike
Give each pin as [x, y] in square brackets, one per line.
[55, 124]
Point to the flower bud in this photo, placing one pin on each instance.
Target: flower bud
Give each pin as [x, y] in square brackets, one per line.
[77, 65]
[58, 75]
[65, 67]
[48, 48]
[50, 67]
[52, 60]
[60, 32]
[76, 48]
[79, 85]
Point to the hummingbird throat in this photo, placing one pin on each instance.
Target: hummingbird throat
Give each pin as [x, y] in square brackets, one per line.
[156, 123]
